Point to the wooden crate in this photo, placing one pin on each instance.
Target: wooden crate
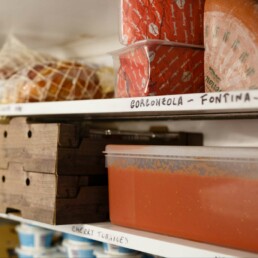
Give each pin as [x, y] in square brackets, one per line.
[36, 183]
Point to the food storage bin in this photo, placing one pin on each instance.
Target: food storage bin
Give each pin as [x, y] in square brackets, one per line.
[36, 238]
[43, 253]
[77, 239]
[102, 254]
[152, 68]
[73, 250]
[180, 21]
[206, 194]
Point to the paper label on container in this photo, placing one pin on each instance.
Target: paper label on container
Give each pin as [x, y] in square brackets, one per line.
[180, 3]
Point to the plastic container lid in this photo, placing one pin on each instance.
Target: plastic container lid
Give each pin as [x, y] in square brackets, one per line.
[174, 152]
[27, 228]
[117, 250]
[46, 253]
[80, 250]
[78, 239]
[150, 42]
[102, 254]
[79, 246]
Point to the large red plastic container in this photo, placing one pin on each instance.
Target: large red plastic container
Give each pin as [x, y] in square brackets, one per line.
[199, 193]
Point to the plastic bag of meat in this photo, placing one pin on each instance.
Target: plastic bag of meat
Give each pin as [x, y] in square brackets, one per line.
[57, 81]
[29, 76]
[15, 56]
[231, 45]
[154, 68]
[172, 20]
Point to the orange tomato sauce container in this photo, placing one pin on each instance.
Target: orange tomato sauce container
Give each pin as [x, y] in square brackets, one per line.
[199, 193]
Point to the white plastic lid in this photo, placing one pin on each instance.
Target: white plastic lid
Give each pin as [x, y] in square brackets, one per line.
[102, 254]
[174, 152]
[25, 228]
[153, 42]
[77, 246]
[39, 252]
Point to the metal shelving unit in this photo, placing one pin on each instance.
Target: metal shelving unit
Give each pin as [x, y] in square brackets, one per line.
[242, 104]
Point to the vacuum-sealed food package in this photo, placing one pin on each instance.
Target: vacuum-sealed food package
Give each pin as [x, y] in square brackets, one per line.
[154, 68]
[172, 20]
[15, 56]
[29, 76]
[56, 81]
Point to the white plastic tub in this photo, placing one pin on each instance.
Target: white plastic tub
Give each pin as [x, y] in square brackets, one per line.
[43, 253]
[102, 254]
[77, 239]
[34, 237]
[73, 250]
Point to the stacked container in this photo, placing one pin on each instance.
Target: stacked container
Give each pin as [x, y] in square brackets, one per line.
[114, 251]
[35, 242]
[164, 53]
[79, 247]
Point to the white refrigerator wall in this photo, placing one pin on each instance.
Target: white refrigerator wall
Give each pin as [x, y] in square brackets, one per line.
[64, 28]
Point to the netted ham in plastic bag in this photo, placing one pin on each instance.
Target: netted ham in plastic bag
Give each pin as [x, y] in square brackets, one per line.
[56, 81]
[15, 56]
[29, 76]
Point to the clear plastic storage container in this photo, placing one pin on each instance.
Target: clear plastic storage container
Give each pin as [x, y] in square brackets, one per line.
[206, 194]
[154, 67]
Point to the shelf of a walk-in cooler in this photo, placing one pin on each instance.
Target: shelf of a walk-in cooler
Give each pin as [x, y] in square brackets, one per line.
[209, 105]
[142, 241]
